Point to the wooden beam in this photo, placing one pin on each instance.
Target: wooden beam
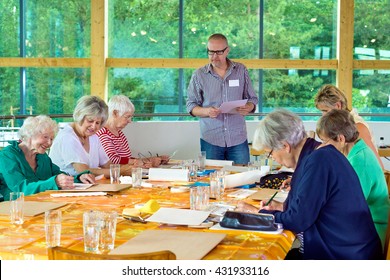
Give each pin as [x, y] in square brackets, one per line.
[45, 62]
[371, 64]
[99, 16]
[195, 63]
[345, 32]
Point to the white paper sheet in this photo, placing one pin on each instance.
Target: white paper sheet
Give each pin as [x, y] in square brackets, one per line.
[214, 162]
[67, 194]
[230, 106]
[175, 216]
[244, 178]
[168, 174]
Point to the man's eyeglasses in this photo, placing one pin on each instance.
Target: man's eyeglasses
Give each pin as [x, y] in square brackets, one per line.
[270, 153]
[218, 52]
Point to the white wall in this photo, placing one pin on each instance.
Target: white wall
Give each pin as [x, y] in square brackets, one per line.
[166, 137]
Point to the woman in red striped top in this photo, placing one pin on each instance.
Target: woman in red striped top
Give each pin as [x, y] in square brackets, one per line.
[113, 140]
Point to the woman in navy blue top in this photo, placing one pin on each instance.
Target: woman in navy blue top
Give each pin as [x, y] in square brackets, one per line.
[326, 201]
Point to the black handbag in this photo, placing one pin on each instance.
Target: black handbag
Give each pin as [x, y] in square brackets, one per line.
[249, 221]
[273, 180]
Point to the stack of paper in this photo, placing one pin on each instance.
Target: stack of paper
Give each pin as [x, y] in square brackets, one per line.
[168, 174]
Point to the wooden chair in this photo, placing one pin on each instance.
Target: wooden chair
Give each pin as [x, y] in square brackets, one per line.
[61, 253]
[387, 241]
[387, 176]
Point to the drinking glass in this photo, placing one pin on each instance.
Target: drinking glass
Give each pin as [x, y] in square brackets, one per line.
[91, 226]
[107, 230]
[115, 173]
[136, 177]
[53, 220]
[16, 207]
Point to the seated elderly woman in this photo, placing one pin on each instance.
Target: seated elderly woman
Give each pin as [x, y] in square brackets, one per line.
[330, 97]
[325, 202]
[25, 166]
[338, 128]
[113, 140]
[77, 147]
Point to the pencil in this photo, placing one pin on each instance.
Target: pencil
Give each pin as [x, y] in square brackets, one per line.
[272, 197]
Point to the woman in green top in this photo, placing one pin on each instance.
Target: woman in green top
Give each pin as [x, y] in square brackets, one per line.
[25, 166]
[338, 128]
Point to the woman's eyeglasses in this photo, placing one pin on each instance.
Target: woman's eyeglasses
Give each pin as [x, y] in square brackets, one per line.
[270, 153]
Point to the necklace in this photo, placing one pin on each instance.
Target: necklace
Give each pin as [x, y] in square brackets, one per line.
[83, 139]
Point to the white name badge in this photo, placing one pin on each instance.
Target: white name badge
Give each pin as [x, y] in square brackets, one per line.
[234, 83]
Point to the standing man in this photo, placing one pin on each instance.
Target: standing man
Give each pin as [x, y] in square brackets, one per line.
[223, 135]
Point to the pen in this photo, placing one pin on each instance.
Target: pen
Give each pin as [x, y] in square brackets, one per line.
[272, 197]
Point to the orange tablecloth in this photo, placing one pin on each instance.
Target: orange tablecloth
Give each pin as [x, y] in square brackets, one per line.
[28, 240]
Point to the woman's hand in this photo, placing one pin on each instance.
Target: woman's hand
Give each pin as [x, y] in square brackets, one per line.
[88, 179]
[246, 207]
[155, 161]
[164, 159]
[273, 206]
[64, 182]
[286, 185]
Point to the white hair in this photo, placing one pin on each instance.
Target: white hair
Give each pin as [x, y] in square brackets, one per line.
[32, 126]
[278, 126]
[121, 104]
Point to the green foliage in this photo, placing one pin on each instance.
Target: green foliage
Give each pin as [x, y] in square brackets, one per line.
[150, 29]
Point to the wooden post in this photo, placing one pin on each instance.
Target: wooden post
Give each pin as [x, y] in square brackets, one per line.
[345, 23]
[99, 16]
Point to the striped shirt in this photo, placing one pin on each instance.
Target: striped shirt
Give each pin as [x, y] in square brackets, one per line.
[208, 89]
[116, 147]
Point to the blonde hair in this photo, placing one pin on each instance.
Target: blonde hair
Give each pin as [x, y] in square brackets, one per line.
[32, 126]
[89, 105]
[329, 95]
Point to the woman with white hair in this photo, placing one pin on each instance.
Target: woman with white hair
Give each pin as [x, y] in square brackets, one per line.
[326, 202]
[77, 147]
[114, 141]
[25, 166]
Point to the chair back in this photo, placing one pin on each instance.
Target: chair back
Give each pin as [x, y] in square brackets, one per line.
[387, 240]
[61, 253]
[387, 177]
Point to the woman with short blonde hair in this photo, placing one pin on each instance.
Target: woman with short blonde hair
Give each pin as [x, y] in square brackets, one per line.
[330, 97]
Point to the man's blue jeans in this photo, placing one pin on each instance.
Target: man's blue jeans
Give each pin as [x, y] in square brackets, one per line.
[239, 153]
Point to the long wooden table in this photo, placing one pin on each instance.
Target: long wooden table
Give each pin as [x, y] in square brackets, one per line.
[28, 240]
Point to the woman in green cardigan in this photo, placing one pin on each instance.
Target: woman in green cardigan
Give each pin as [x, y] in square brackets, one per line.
[25, 166]
[338, 128]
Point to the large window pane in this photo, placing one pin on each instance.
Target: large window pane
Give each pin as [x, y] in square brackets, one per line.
[144, 28]
[371, 88]
[371, 92]
[9, 91]
[239, 23]
[371, 32]
[151, 90]
[303, 29]
[9, 28]
[56, 91]
[58, 28]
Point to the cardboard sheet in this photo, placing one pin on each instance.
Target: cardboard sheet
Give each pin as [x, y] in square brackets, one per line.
[266, 193]
[31, 208]
[187, 245]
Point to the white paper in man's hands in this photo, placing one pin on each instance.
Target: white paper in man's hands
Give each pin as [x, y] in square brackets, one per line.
[230, 106]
